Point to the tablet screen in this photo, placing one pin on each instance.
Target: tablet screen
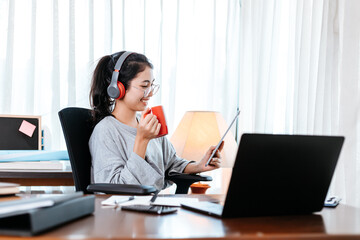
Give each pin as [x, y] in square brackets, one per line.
[218, 145]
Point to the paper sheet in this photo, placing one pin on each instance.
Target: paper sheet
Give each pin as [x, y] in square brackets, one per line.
[145, 200]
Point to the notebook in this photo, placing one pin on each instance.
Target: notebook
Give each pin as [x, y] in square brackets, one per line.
[278, 175]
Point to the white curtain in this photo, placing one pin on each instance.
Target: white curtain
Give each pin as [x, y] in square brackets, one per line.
[291, 66]
[299, 74]
[49, 48]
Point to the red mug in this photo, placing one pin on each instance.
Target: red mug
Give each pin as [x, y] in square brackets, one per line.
[158, 111]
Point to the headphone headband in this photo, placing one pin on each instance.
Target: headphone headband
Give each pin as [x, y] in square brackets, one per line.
[121, 60]
[113, 90]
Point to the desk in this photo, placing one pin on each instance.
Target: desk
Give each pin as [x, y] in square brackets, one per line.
[342, 222]
[38, 177]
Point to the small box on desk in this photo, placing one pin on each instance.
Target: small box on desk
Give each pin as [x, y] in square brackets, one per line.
[34, 221]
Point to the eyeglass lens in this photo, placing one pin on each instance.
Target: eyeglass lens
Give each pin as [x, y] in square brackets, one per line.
[154, 89]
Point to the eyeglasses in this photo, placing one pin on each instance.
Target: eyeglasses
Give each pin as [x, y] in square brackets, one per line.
[154, 88]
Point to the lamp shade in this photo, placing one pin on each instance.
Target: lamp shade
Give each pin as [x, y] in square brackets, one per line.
[197, 131]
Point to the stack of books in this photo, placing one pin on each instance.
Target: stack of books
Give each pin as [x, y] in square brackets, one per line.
[8, 188]
[32, 160]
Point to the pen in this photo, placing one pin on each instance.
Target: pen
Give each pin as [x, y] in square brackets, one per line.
[154, 197]
[124, 200]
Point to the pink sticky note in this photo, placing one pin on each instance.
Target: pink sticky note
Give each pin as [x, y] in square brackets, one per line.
[27, 128]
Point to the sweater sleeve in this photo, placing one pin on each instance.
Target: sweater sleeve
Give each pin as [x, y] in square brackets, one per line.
[173, 163]
[113, 163]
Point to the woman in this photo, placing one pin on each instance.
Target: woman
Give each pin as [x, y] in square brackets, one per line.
[125, 148]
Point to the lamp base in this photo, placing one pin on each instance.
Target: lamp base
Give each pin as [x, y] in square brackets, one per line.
[199, 188]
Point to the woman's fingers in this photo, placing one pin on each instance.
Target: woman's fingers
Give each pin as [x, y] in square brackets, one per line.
[153, 123]
[215, 162]
[221, 145]
[153, 126]
[158, 129]
[149, 125]
[217, 154]
[145, 113]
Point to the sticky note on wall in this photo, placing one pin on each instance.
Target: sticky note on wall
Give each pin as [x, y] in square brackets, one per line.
[27, 128]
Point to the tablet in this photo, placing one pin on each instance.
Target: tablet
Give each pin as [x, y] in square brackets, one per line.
[218, 145]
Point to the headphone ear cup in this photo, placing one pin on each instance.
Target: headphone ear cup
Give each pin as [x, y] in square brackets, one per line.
[121, 89]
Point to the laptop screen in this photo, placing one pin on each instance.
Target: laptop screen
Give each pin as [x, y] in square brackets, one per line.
[281, 174]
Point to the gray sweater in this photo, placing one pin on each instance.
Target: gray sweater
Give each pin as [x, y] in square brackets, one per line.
[113, 160]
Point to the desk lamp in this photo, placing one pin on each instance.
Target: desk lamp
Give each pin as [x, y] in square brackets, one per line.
[197, 131]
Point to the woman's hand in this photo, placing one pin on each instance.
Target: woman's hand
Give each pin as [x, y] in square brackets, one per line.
[149, 125]
[147, 129]
[215, 162]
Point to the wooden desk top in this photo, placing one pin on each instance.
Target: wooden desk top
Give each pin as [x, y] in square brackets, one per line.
[342, 222]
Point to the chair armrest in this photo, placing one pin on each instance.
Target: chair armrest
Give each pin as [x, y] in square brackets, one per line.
[126, 189]
[191, 177]
[183, 181]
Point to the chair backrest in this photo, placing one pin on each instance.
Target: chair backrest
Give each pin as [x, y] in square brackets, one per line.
[77, 127]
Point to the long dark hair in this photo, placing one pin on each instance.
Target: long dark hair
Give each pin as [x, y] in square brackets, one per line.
[101, 103]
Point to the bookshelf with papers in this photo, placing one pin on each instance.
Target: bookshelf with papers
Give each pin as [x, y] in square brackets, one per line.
[33, 160]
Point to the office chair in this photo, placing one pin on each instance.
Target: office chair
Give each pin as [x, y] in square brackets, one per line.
[77, 128]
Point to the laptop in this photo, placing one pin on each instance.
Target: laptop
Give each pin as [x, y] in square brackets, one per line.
[277, 175]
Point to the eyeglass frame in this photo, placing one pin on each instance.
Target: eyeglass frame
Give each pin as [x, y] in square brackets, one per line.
[150, 89]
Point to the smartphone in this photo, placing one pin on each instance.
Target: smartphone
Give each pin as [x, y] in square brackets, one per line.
[150, 209]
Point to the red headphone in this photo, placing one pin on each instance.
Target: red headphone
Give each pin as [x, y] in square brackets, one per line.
[116, 89]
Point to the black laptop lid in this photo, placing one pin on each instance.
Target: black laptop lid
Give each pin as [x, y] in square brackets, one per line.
[281, 174]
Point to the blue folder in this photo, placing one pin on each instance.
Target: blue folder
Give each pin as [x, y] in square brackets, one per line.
[32, 155]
